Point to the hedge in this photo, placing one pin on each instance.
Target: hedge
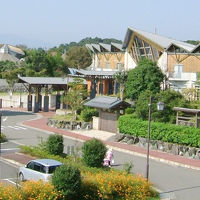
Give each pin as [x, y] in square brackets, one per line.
[189, 136]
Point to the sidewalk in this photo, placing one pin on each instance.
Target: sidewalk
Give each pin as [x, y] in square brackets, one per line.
[107, 138]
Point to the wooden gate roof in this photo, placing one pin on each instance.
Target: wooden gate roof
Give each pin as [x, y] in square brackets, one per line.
[106, 102]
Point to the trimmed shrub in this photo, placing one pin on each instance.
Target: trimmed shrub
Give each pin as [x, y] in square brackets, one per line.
[54, 144]
[94, 152]
[183, 135]
[87, 113]
[67, 180]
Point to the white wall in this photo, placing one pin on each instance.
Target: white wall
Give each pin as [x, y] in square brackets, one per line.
[162, 63]
[14, 100]
[128, 62]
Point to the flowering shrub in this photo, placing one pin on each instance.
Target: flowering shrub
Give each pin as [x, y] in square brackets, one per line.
[30, 190]
[113, 185]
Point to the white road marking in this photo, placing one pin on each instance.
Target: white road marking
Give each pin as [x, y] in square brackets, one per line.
[13, 127]
[4, 119]
[20, 127]
[15, 142]
[10, 149]
[5, 179]
[10, 181]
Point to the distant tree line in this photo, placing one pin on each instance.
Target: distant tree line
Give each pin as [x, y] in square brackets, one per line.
[194, 42]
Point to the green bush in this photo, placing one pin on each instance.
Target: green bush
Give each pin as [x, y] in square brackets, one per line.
[54, 144]
[129, 110]
[93, 153]
[67, 180]
[2, 138]
[87, 113]
[183, 135]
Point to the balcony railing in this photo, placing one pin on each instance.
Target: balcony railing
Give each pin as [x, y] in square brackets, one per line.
[183, 76]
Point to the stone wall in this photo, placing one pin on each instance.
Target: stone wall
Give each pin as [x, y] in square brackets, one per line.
[69, 125]
[186, 151]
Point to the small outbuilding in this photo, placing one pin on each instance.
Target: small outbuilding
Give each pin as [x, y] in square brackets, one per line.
[188, 117]
[110, 109]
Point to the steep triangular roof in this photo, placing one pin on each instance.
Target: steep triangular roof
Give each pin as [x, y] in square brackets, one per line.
[163, 42]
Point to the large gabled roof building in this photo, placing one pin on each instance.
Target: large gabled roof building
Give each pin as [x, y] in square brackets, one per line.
[179, 61]
[10, 53]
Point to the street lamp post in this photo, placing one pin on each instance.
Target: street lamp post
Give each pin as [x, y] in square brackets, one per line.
[160, 107]
[0, 132]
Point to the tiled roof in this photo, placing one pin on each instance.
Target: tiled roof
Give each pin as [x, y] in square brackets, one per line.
[46, 80]
[101, 47]
[106, 102]
[13, 48]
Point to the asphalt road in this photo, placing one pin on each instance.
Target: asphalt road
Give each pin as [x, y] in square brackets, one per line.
[182, 183]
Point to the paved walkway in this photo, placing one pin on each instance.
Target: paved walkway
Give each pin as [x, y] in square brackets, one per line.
[107, 138]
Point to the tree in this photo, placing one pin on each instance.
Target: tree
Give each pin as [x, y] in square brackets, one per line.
[40, 63]
[75, 96]
[78, 57]
[9, 71]
[121, 78]
[170, 99]
[146, 76]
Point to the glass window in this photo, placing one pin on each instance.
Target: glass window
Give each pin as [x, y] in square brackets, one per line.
[37, 167]
[30, 165]
[138, 41]
[142, 52]
[155, 53]
[51, 169]
[148, 50]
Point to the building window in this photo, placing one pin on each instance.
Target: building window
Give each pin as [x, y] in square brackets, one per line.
[178, 69]
[141, 49]
[107, 65]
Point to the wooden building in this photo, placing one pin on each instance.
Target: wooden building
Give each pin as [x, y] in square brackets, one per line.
[110, 109]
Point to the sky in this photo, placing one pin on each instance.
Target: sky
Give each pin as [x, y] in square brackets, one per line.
[49, 23]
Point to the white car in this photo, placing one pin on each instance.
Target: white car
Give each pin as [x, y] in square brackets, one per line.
[39, 169]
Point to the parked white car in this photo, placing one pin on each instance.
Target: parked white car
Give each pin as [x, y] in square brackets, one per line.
[39, 169]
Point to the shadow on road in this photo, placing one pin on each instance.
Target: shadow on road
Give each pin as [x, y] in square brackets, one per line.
[14, 113]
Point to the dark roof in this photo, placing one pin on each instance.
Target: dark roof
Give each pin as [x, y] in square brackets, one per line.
[101, 47]
[95, 73]
[187, 110]
[46, 80]
[106, 102]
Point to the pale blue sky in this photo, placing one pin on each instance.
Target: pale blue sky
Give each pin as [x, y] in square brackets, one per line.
[48, 23]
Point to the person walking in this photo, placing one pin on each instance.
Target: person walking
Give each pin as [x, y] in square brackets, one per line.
[109, 158]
